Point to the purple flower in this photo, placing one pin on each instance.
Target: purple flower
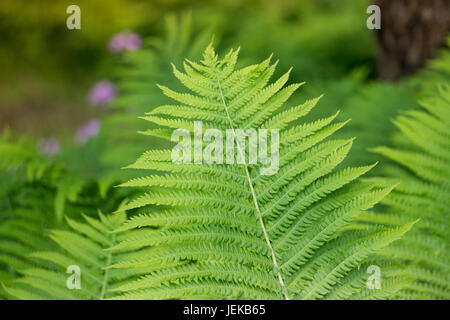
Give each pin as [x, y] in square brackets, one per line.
[87, 130]
[102, 93]
[123, 41]
[49, 146]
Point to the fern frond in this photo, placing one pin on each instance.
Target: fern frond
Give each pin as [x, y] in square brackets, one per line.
[227, 231]
[33, 204]
[83, 247]
[423, 193]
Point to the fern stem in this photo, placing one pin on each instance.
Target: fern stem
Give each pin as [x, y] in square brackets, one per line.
[255, 200]
[105, 276]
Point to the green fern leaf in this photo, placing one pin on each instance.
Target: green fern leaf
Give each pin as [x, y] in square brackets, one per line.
[84, 247]
[423, 193]
[227, 231]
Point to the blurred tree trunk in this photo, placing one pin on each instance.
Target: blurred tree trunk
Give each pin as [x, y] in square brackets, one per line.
[411, 31]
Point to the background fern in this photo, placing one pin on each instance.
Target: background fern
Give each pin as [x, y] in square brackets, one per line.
[82, 246]
[422, 157]
[37, 195]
